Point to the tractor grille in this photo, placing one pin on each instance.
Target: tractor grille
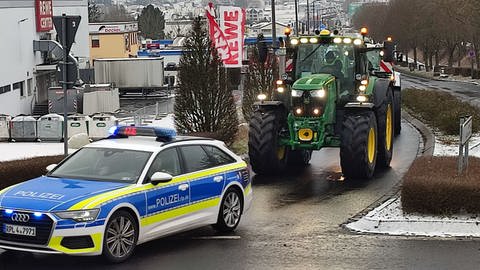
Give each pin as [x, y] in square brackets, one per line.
[308, 104]
[43, 226]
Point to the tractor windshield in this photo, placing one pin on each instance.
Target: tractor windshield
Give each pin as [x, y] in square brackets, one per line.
[330, 58]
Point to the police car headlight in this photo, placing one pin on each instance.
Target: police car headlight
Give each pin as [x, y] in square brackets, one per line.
[79, 216]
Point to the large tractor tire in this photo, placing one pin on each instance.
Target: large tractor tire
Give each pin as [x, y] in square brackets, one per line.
[397, 105]
[266, 156]
[358, 147]
[385, 117]
[299, 157]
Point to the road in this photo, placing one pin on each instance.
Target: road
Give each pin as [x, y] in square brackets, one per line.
[464, 90]
[295, 223]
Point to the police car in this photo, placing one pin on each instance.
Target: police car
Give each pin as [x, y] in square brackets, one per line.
[114, 194]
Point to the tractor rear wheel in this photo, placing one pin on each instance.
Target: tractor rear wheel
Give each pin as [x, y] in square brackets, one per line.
[358, 147]
[299, 157]
[385, 116]
[266, 155]
[397, 105]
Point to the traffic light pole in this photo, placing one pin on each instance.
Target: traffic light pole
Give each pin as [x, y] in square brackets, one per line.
[64, 84]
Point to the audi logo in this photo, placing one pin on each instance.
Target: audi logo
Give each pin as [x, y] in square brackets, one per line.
[19, 217]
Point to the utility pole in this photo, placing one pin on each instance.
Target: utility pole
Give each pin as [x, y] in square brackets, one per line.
[274, 26]
[65, 84]
[308, 17]
[296, 17]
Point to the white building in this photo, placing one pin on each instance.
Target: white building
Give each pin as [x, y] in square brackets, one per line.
[24, 74]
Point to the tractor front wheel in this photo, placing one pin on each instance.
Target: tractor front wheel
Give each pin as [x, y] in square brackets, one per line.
[397, 105]
[267, 157]
[358, 148]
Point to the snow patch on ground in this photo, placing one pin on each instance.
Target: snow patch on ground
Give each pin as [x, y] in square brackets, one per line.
[448, 145]
[390, 219]
[21, 150]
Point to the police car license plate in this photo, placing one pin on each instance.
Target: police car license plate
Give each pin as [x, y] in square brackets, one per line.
[19, 230]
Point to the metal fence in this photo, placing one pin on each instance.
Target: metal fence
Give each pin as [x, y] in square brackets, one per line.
[158, 110]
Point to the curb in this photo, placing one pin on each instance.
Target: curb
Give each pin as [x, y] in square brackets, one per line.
[427, 134]
[425, 149]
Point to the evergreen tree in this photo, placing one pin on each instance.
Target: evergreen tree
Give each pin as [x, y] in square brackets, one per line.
[204, 104]
[152, 23]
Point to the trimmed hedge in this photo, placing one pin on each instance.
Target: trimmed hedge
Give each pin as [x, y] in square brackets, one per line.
[16, 171]
[432, 186]
[440, 109]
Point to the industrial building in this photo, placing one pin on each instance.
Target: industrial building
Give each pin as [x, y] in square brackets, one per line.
[27, 69]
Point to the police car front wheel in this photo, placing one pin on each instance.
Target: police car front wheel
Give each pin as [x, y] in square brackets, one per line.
[120, 238]
[230, 211]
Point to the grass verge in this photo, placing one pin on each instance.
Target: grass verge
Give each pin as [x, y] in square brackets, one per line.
[432, 186]
[13, 172]
[439, 109]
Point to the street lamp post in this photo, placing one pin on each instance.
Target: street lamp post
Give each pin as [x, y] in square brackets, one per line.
[308, 17]
[296, 17]
[274, 26]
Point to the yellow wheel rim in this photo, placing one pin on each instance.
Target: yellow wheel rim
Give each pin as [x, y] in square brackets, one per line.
[280, 152]
[389, 128]
[371, 145]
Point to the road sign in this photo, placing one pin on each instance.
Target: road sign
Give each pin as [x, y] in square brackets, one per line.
[465, 135]
[73, 22]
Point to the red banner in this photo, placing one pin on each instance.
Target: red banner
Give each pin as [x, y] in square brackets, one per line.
[44, 14]
[227, 37]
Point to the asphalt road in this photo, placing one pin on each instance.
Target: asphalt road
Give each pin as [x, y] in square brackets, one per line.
[464, 90]
[295, 223]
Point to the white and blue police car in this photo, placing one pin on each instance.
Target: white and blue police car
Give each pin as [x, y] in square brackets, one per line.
[116, 193]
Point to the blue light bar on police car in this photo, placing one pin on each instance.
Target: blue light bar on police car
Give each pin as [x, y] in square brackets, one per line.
[165, 134]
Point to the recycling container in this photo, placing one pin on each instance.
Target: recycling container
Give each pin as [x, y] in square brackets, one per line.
[50, 127]
[4, 127]
[77, 124]
[100, 124]
[23, 128]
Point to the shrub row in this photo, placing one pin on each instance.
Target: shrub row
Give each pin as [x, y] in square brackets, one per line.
[432, 186]
[440, 109]
[13, 172]
[462, 71]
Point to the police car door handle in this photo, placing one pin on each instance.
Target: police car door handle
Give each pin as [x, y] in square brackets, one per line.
[183, 187]
[218, 179]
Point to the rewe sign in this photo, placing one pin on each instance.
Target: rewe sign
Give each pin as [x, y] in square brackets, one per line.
[227, 34]
[43, 15]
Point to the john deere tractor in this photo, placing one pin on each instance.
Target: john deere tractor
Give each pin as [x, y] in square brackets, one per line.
[335, 96]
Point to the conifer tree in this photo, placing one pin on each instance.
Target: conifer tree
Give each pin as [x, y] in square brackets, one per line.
[204, 104]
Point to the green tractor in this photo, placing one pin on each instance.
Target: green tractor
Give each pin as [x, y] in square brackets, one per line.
[336, 96]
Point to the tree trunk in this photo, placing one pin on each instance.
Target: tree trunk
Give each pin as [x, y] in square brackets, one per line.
[430, 60]
[415, 57]
[451, 53]
[437, 62]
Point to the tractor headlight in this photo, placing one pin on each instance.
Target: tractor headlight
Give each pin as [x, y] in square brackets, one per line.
[362, 98]
[79, 216]
[318, 93]
[362, 88]
[297, 93]
[280, 89]
[262, 97]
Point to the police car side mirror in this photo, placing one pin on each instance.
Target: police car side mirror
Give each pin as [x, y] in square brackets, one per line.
[160, 177]
[50, 167]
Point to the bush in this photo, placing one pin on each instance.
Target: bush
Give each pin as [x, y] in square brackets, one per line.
[13, 172]
[439, 109]
[432, 186]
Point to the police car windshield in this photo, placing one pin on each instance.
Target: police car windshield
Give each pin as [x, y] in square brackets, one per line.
[103, 164]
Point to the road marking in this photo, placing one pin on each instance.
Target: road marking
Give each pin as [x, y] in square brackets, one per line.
[220, 237]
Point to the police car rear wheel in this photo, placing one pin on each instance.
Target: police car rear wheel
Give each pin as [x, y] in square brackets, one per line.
[120, 238]
[230, 211]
